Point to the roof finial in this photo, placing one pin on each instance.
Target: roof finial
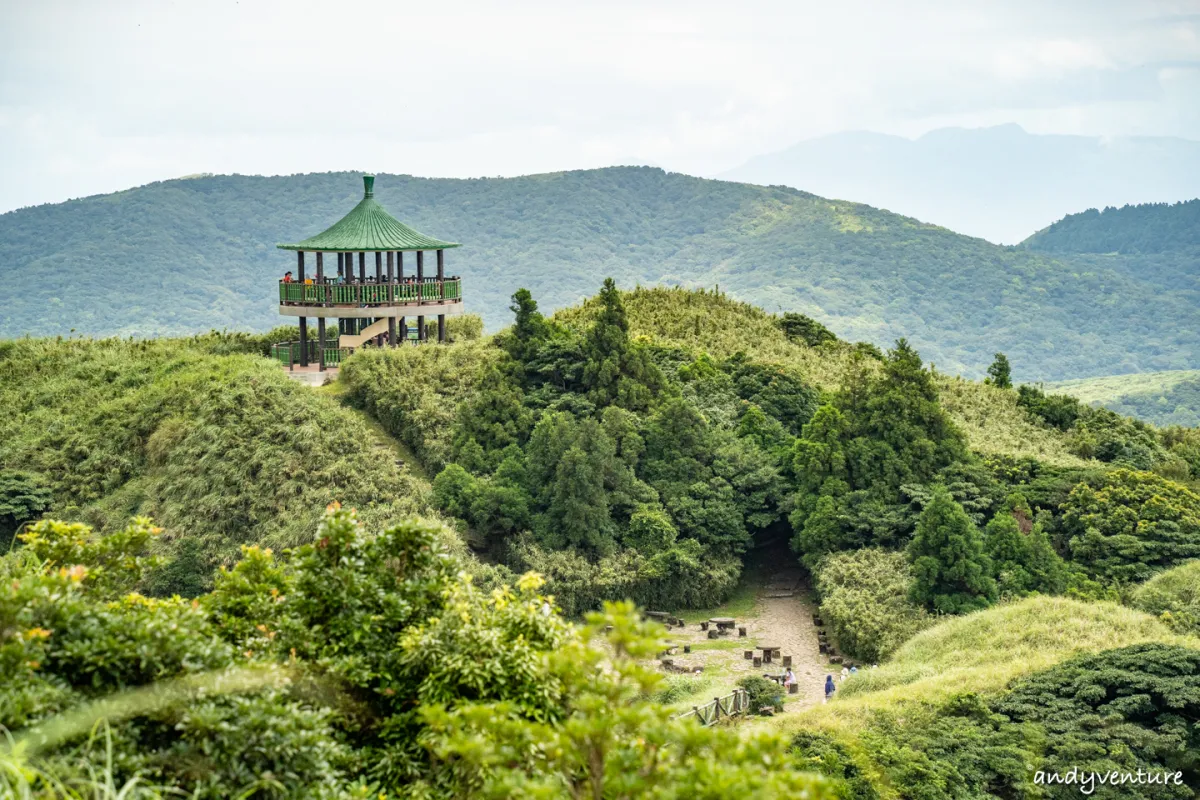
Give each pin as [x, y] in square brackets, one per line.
[368, 186]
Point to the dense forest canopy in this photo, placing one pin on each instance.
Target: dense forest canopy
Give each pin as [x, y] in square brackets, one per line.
[185, 256]
[1145, 228]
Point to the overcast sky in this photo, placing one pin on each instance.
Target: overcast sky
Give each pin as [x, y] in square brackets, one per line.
[103, 95]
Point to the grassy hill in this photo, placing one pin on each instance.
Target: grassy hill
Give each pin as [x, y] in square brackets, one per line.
[1163, 398]
[203, 435]
[184, 256]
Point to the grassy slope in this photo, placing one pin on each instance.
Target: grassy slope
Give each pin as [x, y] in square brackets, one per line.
[220, 448]
[708, 321]
[186, 255]
[983, 652]
[1163, 398]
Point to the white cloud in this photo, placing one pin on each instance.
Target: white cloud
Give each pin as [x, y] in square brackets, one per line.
[107, 95]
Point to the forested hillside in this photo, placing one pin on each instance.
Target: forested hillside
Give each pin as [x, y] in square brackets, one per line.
[1147, 228]
[185, 256]
[1163, 398]
[972, 538]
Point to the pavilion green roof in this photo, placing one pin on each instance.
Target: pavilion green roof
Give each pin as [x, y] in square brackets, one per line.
[368, 228]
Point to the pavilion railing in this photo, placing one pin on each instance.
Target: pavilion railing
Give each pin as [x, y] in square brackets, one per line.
[371, 293]
[731, 705]
[288, 353]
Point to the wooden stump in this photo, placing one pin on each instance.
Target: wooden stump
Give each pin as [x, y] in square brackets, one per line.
[747, 654]
[757, 661]
[822, 648]
[742, 632]
[793, 688]
[713, 634]
[817, 621]
[704, 625]
[835, 659]
[687, 648]
[787, 662]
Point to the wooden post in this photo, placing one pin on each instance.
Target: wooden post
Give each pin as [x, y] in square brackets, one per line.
[441, 277]
[441, 265]
[422, 334]
[303, 320]
[420, 286]
[362, 267]
[404, 330]
[441, 328]
[323, 289]
[341, 262]
[399, 265]
[379, 266]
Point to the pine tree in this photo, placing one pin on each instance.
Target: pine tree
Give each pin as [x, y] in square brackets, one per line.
[1000, 373]
[617, 371]
[951, 572]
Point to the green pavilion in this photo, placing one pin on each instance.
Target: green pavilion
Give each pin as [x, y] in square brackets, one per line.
[373, 303]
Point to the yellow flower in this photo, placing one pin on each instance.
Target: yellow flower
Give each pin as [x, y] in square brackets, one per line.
[37, 633]
[530, 582]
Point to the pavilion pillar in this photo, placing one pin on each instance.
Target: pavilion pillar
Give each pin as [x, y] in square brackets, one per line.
[303, 320]
[420, 294]
[391, 297]
[399, 265]
[421, 333]
[323, 289]
[362, 267]
[378, 266]
[441, 278]
[404, 330]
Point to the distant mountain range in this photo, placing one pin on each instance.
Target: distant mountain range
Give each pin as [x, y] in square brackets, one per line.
[998, 183]
[188, 255]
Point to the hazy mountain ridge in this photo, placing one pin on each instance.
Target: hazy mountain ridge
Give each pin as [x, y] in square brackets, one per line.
[999, 183]
[189, 255]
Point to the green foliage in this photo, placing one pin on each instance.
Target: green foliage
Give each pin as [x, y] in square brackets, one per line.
[683, 575]
[615, 370]
[1174, 596]
[865, 601]
[1023, 561]
[868, 273]
[762, 693]
[1142, 228]
[222, 450]
[1131, 525]
[603, 742]
[951, 572]
[1160, 398]
[23, 496]
[1056, 410]
[1000, 372]
[820, 753]
[800, 328]
[1125, 710]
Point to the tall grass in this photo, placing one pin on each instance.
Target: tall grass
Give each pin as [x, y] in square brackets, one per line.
[983, 652]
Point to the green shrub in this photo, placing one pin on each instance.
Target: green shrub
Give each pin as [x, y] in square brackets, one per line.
[762, 693]
[1174, 596]
[865, 601]
[1131, 525]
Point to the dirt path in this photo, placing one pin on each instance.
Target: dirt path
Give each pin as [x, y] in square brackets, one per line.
[781, 617]
[784, 617]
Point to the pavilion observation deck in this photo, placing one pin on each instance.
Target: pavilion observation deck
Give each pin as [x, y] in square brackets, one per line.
[369, 295]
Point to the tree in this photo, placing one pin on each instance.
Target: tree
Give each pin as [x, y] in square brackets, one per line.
[951, 572]
[1132, 525]
[1000, 373]
[605, 740]
[530, 329]
[22, 497]
[617, 371]
[865, 599]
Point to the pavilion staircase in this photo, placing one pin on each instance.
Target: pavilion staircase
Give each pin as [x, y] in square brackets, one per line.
[367, 334]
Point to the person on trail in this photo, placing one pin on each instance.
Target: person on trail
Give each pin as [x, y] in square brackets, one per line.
[789, 677]
[287, 276]
[829, 687]
[854, 670]
[845, 673]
